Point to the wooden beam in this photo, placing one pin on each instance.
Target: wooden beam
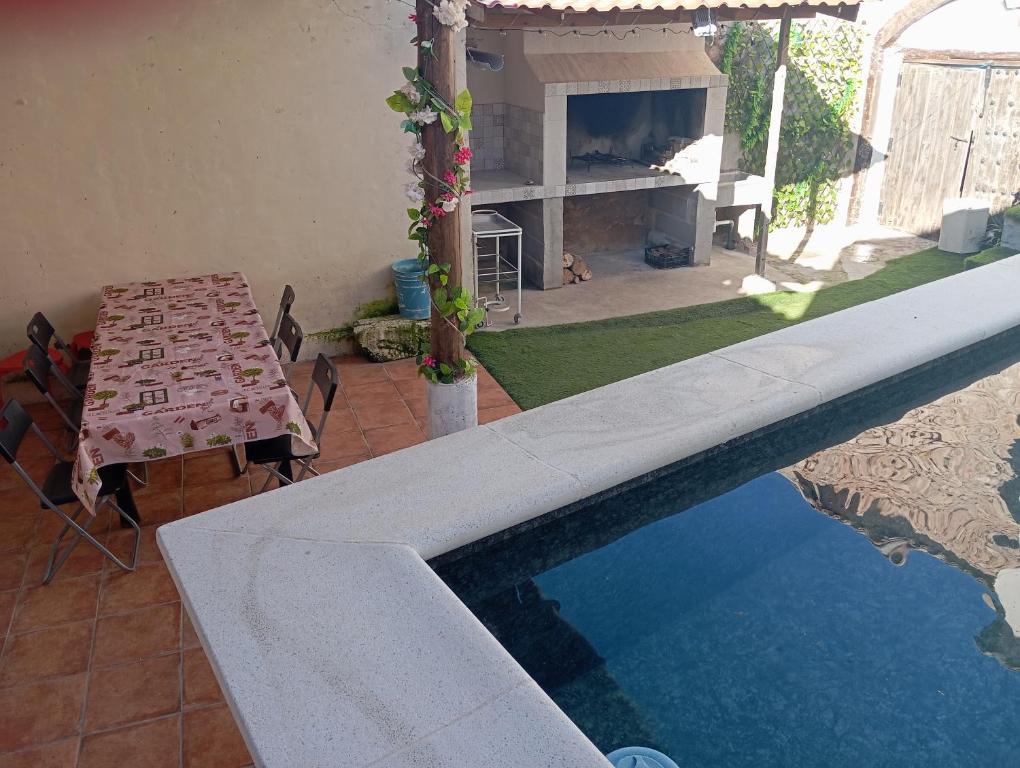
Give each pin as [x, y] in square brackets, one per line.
[772, 147]
[546, 18]
[841, 11]
[444, 243]
[920, 56]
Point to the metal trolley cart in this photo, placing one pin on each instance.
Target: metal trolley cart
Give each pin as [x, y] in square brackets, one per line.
[495, 263]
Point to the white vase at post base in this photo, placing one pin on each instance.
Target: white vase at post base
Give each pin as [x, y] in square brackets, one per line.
[452, 407]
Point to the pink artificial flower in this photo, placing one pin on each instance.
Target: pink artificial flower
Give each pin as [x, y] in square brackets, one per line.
[428, 361]
[450, 177]
[413, 17]
[462, 155]
[448, 196]
[436, 210]
[469, 191]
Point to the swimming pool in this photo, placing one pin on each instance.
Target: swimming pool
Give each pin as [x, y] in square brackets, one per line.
[824, 594]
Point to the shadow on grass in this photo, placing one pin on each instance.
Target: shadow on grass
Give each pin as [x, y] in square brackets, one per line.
[540, 365]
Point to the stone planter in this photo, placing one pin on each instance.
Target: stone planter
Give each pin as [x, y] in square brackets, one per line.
[452, 407]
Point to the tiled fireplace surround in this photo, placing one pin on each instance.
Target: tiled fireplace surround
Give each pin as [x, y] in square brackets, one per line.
[513, 145]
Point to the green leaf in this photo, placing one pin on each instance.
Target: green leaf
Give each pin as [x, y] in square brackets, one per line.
[474, 318]
[413, 214]
[463, 103]
[445, 369]
[410, 73]
[398, 102]
[447, 121]
[409, 127]
[465, 124]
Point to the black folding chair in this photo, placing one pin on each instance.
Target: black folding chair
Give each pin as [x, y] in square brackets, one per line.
[42, 335]
[288, 344]
[39, 368]
[275, 453]
[286, 302]
[56, 491]
[288, 339]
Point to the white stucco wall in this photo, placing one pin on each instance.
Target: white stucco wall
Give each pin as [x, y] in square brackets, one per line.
[238, 134]
[966, 25]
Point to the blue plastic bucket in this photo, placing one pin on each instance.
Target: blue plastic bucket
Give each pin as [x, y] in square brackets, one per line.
[412, 292]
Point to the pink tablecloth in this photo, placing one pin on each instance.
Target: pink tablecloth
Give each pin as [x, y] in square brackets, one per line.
[178, 366]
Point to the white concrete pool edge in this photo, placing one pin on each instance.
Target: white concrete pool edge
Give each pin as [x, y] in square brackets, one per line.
[333, 639]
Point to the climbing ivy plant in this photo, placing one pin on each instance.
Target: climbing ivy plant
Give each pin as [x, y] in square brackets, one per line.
[822, 85]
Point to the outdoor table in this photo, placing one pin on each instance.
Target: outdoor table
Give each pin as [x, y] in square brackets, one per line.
[179, 366]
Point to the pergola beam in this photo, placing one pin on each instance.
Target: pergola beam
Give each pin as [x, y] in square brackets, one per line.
[546, 18]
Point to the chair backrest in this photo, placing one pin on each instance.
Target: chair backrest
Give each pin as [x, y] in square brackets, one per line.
[289, 338]
[38, 366]
[325, 379]
[14, 425]
[42, 334]
[286, 302]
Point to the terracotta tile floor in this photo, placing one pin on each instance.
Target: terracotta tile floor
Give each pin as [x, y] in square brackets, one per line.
[102, 668]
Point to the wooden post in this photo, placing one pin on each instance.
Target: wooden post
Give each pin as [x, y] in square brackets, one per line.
[444, 242]
[772, 148]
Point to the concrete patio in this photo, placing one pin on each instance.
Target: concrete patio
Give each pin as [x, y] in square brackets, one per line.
[799, 260]
[102, 668]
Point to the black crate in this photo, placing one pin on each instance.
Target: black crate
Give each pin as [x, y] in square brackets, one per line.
[668, 256]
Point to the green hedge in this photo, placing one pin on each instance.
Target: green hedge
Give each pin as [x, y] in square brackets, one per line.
[823, 80]
[988, 256]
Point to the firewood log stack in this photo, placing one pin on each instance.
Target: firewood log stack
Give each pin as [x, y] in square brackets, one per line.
[575, 269]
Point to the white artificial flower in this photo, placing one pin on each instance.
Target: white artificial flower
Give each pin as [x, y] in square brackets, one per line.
[410, 92]
[417, 151]
[423, 116]
[414, 192]
[450, 205]
[452, 13]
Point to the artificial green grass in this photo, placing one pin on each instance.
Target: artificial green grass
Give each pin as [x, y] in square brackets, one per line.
[539, 365]
[988, 256]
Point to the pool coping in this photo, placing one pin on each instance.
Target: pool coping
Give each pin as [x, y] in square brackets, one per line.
[333, 639]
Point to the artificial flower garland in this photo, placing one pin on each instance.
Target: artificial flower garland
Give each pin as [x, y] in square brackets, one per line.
[422, 105]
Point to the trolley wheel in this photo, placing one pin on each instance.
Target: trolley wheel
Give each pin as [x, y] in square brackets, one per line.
[517, 318]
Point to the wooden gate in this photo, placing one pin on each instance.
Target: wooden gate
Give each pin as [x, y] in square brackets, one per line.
[932, 120]
[993, 173]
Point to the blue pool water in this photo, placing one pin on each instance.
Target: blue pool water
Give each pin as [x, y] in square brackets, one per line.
[751, 629]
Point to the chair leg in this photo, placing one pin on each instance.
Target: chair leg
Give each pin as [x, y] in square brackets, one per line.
[127, 522]
[238, 470]
[281, 472]
[306, 466]
[82, 532]
[145, 474]
[53, 563]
